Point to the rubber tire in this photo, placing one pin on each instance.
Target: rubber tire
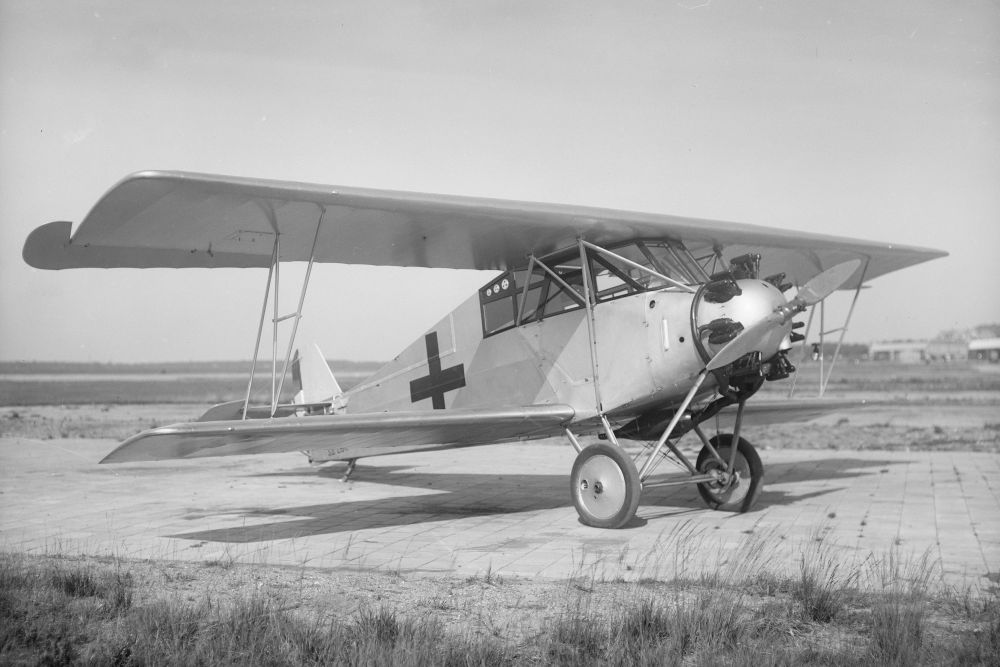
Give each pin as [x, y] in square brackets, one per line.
[747, 460]
[627, 483]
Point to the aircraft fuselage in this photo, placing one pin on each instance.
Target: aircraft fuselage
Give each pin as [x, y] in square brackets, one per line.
[648, 348]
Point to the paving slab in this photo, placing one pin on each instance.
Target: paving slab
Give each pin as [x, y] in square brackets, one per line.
[503, 509]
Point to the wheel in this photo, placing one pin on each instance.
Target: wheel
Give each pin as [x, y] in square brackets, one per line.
[735, 494]
[605, 486]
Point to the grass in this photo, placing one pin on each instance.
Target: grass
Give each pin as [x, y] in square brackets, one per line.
[68, 611]
[825, 584]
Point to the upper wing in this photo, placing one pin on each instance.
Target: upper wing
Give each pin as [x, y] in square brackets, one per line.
[176, 219]
[344, 436]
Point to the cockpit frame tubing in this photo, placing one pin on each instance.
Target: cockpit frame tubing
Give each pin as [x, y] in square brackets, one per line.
[682, 265]
[636, 265]
[562, 283]
[698, 268]
[524, 291]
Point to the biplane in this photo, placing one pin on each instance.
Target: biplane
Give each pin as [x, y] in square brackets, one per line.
[627, 326]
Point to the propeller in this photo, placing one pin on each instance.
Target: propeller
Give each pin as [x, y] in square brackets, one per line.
[811, 293]
[751, 339]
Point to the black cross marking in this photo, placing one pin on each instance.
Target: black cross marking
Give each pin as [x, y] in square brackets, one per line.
[437, 381]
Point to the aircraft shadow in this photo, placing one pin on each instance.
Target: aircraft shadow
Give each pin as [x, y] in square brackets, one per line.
[478, 494]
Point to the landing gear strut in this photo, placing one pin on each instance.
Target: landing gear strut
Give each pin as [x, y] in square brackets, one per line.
[734, 490]
[351, 465]
[606, 484]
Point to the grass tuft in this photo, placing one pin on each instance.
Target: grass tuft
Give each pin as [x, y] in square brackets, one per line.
[58, 612]
[380, 625]
[823, 587]
[899, 615]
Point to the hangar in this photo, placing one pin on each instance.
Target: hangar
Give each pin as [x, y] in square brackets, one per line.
[905, 352]
[985, 349]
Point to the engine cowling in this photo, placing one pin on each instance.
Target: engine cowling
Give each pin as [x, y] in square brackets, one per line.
[723, 308]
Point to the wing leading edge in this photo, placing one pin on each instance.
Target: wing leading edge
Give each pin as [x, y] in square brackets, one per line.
[345, 436]
[179, 220]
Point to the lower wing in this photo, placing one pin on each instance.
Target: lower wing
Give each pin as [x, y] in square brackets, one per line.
[342, 437]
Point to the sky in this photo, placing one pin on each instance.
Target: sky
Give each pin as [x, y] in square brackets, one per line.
[879, 121]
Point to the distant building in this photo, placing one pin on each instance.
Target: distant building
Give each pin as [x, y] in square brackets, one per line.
[904, 352]
[946, 350]
[985, 349]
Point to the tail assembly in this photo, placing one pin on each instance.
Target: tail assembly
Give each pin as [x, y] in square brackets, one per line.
[315, 381]
[319, 393]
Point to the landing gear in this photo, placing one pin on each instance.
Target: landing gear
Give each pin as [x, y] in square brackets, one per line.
[605, 486]
[737, 489]
[351, 464]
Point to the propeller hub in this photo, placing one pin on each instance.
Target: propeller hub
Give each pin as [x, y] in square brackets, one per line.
[716, 323]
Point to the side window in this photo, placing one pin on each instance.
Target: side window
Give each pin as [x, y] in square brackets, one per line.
[498, 301]
[614, 278]
[546, 297]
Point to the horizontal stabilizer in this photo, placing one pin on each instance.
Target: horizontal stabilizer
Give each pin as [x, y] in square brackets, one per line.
[234, 410]
[341, 437]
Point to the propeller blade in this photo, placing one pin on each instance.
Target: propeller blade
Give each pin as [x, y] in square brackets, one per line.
[753, 337]
[748, 341]
[825, 283]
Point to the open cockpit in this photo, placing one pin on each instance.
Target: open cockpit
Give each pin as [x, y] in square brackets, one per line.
[561, 282]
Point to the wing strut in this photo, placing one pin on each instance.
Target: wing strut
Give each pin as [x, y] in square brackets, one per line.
[826, 373]
[591, 337]
[273, 277]
[843, 330]
[260, 327]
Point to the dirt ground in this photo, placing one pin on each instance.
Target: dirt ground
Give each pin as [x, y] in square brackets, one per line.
[921, 409]
[965, 421]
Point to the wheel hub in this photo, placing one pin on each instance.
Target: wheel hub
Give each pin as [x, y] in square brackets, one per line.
[602, 487]
[723, 479]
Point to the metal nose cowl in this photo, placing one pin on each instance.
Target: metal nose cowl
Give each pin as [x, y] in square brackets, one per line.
[723, 309]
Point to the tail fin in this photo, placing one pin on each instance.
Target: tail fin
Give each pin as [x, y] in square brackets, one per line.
[313, 377]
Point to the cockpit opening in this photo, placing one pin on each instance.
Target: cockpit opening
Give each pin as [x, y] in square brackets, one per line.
[554, 284]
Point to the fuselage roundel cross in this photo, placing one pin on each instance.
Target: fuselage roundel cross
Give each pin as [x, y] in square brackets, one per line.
[437, 382]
